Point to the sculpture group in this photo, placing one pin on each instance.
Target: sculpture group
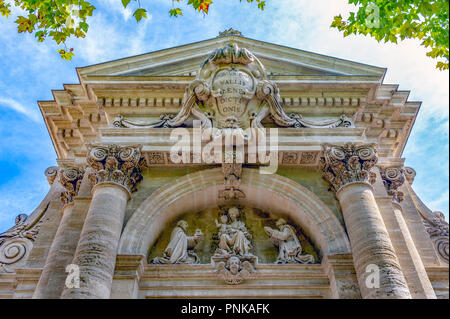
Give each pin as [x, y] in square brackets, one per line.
[233, 259]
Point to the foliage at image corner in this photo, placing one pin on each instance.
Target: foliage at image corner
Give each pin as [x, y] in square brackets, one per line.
[393, 21]
[384, 20]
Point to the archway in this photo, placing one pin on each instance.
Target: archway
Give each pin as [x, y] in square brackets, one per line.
[198, 191]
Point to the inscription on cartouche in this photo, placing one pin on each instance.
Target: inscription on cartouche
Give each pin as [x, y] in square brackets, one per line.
[232, 85]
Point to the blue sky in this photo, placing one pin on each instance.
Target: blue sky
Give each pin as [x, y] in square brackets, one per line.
[30, 70]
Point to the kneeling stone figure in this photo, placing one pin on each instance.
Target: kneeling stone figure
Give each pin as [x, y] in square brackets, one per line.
[288, 244]
[181, 246]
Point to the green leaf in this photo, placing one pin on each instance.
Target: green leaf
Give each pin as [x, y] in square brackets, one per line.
[139, 14]
[175, 12]
[125, 3]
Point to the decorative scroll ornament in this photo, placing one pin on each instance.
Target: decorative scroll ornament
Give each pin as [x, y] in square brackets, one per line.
[114, 163]
[349, 163]
[16, 243]
[181, 247]
[70, 178]
[285, 239]
[393, 178]
[410, 174]
[232, 90]
[51, 173]
[438, 230]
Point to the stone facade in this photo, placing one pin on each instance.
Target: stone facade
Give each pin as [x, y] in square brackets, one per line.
[127, 217]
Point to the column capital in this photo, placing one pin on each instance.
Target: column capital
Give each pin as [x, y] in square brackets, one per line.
[393, 177]
[51, 173]
[70, 178]
[342, 165]
[116, 163]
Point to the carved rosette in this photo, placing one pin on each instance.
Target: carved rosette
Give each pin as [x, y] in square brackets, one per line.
[393, 178]
[118, 164]
[438, 230]
[16, 243]
[346, 164]
[70, 178]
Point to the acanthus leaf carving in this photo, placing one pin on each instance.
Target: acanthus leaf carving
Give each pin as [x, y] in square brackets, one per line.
[115, 163]
[342, 165]
[70, 178]
[393, 178]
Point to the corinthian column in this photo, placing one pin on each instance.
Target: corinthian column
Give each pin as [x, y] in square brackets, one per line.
[116, 171]
[53, 275]
[347, 169]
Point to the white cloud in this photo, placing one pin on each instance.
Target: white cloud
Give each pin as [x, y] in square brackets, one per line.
[16, 106]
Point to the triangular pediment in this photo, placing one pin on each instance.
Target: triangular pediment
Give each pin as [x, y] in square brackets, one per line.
[185, 61]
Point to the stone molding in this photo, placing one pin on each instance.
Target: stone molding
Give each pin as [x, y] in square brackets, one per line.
[117, 164]
[346, 164]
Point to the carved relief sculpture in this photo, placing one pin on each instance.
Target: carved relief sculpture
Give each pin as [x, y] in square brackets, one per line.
[234, 239]
[290, 250]
[232, 258]
[233, 271]
[181, 246]
[232, 91]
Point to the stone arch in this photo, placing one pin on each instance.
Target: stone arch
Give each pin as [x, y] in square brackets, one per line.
[198, 191]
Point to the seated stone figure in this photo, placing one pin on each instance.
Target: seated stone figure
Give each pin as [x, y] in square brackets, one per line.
[180, 248]
[234, 239]
[288, 244]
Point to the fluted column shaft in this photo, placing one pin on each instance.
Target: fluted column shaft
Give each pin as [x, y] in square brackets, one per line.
[117, 170]
[370, 242]
[347, 168]
[96, 251]
[61, 251]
